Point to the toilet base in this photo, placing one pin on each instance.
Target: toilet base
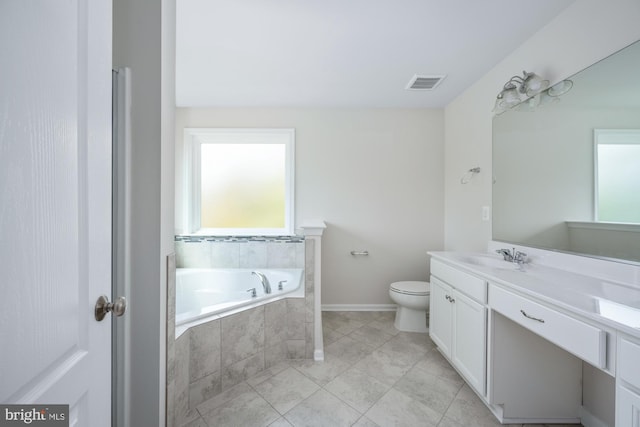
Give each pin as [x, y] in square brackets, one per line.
[410, 320]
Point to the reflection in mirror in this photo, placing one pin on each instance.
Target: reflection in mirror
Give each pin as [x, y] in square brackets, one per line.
[617, 171]
[549, 171]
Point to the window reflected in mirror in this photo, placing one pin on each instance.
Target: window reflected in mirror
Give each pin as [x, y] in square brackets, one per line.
[617, 156]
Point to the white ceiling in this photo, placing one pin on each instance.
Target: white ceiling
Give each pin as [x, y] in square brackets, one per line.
[344, 53]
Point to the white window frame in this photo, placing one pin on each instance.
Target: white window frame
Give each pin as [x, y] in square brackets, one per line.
[193, 140]
[608, 136]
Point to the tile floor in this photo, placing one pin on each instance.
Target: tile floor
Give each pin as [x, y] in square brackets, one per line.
[373, 375]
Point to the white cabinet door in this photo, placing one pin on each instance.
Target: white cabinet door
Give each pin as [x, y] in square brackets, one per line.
[627, 408]
[440, 312]
[469, 340]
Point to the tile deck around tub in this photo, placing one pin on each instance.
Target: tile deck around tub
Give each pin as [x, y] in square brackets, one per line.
[372, 376]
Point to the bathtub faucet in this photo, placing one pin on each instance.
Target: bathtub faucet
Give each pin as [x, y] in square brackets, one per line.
[265, 282]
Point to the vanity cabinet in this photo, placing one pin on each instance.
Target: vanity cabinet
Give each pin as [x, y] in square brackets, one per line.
[538, 345]
[458, 321]
[628, 383]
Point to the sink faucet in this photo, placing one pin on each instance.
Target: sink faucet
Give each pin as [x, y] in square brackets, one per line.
[513, 256]
[519, 258]
[506, 254]
[265, 282]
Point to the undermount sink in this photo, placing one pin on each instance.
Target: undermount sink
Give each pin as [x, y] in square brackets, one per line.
[486, 260]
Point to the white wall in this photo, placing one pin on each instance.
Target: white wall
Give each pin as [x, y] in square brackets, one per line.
[144, 40]
[374, 175]
[584, 33]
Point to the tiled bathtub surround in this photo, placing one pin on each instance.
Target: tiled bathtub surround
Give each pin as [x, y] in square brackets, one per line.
[212, 357]
[240, 252]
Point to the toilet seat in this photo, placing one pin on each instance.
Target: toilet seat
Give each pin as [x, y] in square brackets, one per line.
[417, 288]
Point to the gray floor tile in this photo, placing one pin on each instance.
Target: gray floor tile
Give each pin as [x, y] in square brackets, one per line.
[286, 389]
[340, 323]
[247, 410]
[322, 409]
[384, 326]
[365, 422]
[397, 409]
[348, 350]
[434, 363]
[435, 392]
[400, 350]
[280, 422]
[268, 373]
[467, 409]
[385, 367]
[448, 422]
[357, 389]
[198, 422]
[413, 342]
[370, 336]
[321, 372]
[223, 398]
[329, 335]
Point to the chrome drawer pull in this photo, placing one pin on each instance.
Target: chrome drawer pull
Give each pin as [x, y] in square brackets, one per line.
[530, 317]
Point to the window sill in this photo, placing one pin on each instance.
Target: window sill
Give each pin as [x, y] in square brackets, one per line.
[609, 226]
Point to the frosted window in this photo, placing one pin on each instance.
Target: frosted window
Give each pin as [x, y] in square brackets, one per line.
[618, 176]
[240, 181]
[242, 186]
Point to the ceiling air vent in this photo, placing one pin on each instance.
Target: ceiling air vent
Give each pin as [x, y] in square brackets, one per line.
[424, 82]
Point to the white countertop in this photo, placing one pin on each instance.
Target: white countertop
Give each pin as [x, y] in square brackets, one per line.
[613, 304]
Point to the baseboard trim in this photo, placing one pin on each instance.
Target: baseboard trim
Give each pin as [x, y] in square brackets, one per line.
[358, 307]
[590, 420]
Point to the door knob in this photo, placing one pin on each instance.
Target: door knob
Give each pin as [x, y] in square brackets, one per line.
[103, 306]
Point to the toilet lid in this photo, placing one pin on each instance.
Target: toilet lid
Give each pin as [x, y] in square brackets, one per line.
[411, 287]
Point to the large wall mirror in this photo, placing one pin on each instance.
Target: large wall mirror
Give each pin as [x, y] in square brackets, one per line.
[567, 168]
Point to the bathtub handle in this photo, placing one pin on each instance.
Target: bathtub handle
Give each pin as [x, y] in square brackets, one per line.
[280, 284]
[253, 292]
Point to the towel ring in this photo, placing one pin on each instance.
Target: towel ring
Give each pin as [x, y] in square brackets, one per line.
[468, 175]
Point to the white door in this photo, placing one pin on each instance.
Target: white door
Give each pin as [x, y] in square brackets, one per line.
[55, 211]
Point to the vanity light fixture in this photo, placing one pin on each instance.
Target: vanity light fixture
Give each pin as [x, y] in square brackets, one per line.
[530, 88]
[518, 89]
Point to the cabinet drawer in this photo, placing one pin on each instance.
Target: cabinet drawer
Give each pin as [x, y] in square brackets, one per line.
[473, 286]
[583, 340]
[628, 358]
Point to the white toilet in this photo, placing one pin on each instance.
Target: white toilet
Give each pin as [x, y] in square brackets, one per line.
[412, 298]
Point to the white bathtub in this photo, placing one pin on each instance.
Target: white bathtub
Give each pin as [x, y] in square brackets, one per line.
[208, 292]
